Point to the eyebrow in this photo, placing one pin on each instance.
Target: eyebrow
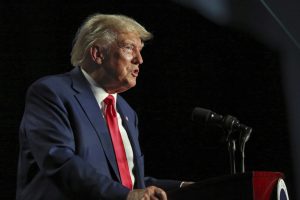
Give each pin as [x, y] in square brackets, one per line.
[131, 43]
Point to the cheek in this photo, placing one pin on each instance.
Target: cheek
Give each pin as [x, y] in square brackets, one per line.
[125, 63]
[128, 57]
[125, 56]
[122, 63]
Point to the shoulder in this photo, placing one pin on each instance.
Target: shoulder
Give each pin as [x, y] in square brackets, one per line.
[58, 81]
[53, 89]
[59, 84]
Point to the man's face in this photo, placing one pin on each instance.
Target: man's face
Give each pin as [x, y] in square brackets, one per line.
[121, 64]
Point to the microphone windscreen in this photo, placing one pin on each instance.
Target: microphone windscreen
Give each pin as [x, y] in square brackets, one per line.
[201, 114]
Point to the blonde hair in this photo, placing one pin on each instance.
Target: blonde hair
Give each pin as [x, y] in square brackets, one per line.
[103, 29]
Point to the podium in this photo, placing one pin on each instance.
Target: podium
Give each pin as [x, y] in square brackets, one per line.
[256, 185]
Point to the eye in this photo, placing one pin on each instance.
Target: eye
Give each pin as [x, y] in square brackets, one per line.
[129, 47]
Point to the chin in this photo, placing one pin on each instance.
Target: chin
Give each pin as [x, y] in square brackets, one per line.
[126, 87]
[131, 83]
[129, 87]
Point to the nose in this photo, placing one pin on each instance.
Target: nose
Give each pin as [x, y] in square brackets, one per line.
[138, 59]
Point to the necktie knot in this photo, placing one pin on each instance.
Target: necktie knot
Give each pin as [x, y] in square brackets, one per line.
[109, 100]
[110, 107]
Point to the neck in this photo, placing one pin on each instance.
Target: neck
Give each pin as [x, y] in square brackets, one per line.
[95, 72]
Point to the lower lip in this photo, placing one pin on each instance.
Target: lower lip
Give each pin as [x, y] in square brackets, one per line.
[134, 74]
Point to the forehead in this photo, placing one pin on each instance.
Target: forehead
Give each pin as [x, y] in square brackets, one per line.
[129, 37]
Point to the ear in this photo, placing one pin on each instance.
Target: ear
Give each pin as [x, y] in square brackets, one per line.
[96, 53]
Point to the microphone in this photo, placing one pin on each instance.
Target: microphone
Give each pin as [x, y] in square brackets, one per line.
[228, 122]
[205, 116]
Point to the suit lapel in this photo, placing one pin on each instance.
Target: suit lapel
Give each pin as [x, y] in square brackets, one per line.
[129, 125]
[87, 101]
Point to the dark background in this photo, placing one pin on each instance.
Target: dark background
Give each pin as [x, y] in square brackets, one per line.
[190, 62]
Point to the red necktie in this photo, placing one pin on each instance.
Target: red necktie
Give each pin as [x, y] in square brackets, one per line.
[112, 123]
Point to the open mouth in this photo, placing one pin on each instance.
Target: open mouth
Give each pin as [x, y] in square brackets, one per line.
[135, 73]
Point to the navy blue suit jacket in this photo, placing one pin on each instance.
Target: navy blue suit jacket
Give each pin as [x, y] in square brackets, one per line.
[65, 147]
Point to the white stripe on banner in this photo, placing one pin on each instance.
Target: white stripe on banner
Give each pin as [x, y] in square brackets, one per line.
[282, 193]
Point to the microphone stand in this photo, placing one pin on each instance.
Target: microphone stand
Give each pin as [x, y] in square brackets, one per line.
[236, 150]
[245, 133]
[237, 136]
[232, 149]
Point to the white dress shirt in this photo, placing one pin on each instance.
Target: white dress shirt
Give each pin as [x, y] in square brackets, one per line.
[100, 95]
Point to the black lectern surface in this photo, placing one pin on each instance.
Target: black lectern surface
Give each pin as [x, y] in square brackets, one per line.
[246, 186]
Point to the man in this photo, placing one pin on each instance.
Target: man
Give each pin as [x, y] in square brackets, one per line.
[78, 137]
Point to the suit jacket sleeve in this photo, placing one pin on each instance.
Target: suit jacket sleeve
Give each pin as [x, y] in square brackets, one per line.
[47, 132]
[165, 184]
